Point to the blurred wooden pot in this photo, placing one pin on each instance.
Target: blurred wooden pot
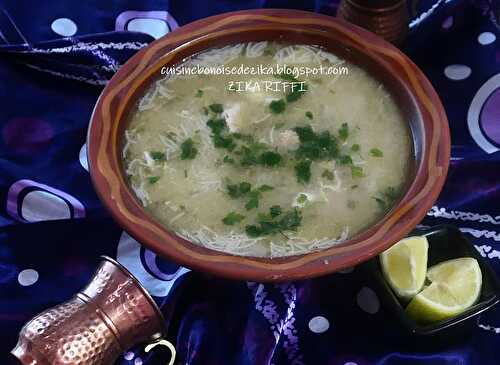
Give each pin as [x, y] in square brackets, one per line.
[386, 18]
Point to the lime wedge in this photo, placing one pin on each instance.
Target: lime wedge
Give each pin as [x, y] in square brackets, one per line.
[404, 266]
[455, 286]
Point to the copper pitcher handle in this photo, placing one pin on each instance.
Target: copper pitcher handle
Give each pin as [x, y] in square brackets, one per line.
[163, 342]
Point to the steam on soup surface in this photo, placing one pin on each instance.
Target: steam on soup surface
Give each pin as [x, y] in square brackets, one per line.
[267, 171]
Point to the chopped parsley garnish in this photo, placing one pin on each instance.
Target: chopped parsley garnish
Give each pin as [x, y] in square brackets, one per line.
[302, 199]
[277, 106]
[238, 190]
[297, 92]
[217, 125]
[355, 147]
[275, 211]
[228, 159]
[309, 115]
[157, 156]
[153, 179]
[327, 174]
[255, 195]
[220, 137]
[303, 171]
[264, 188]
[375, 152]
[232, 218]
[223, 142]
[199, 93]
[270, 159]
[205, 110]
[387, 198]
[253, 202]
[279, 125]
[345, 160]
[316, 146]
[357, 172]
[344, 132]
[188, 150]
[244, 189]
[216, 108]
[269, 225]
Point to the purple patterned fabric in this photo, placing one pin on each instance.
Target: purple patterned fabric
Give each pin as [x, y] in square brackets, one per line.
[55, 59]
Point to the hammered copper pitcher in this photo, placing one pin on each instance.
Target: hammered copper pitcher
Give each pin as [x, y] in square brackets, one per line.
[386, 18]
[110, 315]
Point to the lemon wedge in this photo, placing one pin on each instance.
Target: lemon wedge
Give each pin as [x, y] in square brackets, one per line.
[455, 286]
[404, 266]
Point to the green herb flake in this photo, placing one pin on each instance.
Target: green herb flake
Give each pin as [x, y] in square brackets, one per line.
[217, 125]
[270, 159]
[344, 132]
[279, 125]
[253, 231]
[185, 173]
[238, 190]
[232, 218]
[309, 115]
[268, 225]
[316, 146]
[253, 202]
[245, 187]
[375, 152]
[153, 179]
[302, 199]
[188, 150]
[264, 188]
[205, 110]
[303, 171]
[277, 106]
[228, 159]
[199, 93]
[357, 172]
[275, 211]
[216, 108]
[327, 174]
[297, 92]
[355, 147]
[157, 155]
[345, 160]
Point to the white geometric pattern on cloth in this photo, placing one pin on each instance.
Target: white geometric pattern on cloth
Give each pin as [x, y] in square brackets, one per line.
[457, 72]
[129, 255]
[154, 27]
[82, 156]
[367, 300]
[489, 328]
[319, 324]
[474, 114]
[487, 251]
[440, 212]
[89, 46]
[486, 38]
[39, 206]
[41, 203]
[64, 26]
[279, 327]
[28, 277]
[478, 233]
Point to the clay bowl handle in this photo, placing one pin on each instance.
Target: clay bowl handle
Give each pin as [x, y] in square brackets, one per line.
[386, 18]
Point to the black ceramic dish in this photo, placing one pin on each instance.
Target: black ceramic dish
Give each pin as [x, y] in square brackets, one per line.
[445, 242]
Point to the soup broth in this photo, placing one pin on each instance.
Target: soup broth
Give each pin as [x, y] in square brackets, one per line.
[267, 164]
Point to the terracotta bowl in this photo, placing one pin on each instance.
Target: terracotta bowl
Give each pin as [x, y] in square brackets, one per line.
[413, 92]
